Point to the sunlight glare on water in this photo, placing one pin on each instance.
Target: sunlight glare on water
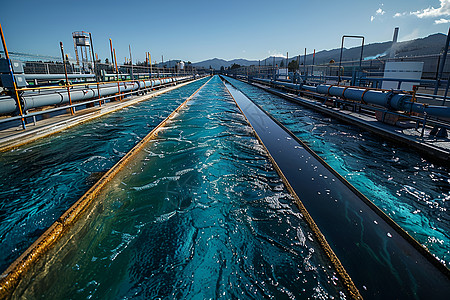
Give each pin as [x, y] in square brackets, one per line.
[200, 213]
[414, 192]
[41, 180]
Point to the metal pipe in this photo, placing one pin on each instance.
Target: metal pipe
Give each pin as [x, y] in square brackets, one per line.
[117, 72]
[390, 100]
[13, 78]
[57, 76]
[67, 79]
[86, 92]
[86, 58]
[394, 43]
[147, 64]
[131, 62]
[259, 68]
[304, 65]
[287, 61]
[273, 65]
[442, 63]
[340, 62]
[82, 60]
[91, 53]
[361, 56]
[446, 92]
[112, 55]
[76, 51]
[150, 59]
[387, 99]
[342, 47]
[8, 104]
[95, 68]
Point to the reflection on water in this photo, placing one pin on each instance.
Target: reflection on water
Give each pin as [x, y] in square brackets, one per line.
[39, 181]
[414, 192]
[199, 214]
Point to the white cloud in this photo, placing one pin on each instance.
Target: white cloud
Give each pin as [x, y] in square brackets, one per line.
[276, 53]
[443, 10]
[442, 21]
[372, 18]
[380, 11]
[399, 14]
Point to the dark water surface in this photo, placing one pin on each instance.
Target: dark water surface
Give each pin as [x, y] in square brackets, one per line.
[414, 192]
[364, 242]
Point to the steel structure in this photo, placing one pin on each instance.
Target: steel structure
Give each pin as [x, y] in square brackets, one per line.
[392, 100]
[39, 97]
[83, 52]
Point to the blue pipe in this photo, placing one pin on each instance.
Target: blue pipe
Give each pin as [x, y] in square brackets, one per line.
[57, 76]
[390, 100]
[60, 96]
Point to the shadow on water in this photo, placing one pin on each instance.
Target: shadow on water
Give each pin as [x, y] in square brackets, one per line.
[414, 192]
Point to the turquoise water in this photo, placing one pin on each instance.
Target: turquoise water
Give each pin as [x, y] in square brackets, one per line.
[414, 192]
[39, 181]
[200, 213]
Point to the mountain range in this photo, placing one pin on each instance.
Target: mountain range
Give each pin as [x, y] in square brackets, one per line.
[432, 44]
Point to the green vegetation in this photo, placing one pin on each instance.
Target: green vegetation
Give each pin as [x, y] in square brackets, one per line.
[235, 66]
[293, 65]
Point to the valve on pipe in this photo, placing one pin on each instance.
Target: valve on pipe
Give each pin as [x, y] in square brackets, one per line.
[392, 100]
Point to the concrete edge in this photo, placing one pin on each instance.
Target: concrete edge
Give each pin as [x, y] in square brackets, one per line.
[29, 136]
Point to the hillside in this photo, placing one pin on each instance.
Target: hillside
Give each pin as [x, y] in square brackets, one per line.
[432, 44]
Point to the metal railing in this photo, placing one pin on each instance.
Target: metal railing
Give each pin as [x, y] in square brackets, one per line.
[31, 117]
[420, 121]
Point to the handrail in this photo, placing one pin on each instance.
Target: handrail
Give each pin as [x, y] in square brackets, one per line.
[76, 104]
[10, 278]
[86, 83]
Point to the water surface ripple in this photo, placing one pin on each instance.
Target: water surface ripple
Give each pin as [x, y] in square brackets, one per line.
[41, 180]
[199, 214]
[414, 192]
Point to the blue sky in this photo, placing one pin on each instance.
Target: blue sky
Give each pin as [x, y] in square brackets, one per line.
[201, 29]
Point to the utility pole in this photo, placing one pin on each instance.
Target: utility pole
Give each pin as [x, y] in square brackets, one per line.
[150, 60]
[287, 60]
[442, 63]
[67, 78]
[304, 64]
[19, 105]
[312, 68]
[273, 66]
[131, 62]
[112, 54]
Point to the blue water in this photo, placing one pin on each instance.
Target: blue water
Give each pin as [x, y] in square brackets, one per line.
[39, 181]
[414, 192]
[199, 214]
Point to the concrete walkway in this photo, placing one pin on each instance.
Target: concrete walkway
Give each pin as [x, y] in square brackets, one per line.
[436, 148]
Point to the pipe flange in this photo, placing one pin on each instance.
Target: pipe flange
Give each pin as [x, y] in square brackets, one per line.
[328, 91]
[390, 94]
[362, 96]
[61, 96]
[401, 103]
[343, 92]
